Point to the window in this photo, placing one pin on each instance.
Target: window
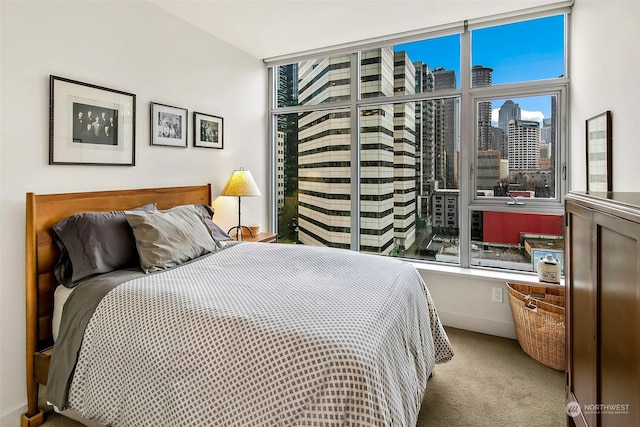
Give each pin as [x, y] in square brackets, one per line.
[436, 62]
[516, 147]
[519, 52]
[407, 204]
[422, 165]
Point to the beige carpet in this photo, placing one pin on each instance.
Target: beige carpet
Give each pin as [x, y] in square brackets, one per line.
[489, 382]
[492, 382]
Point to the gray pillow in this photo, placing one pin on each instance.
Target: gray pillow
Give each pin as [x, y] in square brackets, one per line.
[169, 238]
[218, 234]
[94, 243]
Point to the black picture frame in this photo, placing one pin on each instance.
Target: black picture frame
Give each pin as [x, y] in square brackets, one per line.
[598, 147]
[208, 131]
[90, 125]
[169, 125]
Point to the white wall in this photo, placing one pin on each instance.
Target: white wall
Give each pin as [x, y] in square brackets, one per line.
[134, 47]
[464, 298]
[605, 49]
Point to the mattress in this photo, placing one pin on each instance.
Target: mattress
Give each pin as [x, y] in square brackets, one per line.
[60, 296]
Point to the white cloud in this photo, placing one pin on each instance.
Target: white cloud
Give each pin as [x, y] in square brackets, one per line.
[494, 117]
[536, 116]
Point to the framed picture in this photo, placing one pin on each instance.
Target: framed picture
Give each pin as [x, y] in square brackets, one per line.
[168, 125]
[599, 152]
[208, 131]
[90, 125]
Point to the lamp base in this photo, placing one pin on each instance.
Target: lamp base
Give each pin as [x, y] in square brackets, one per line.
[239, 229]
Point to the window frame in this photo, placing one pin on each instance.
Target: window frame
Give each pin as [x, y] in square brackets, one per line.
[522, 91]
[468, 96]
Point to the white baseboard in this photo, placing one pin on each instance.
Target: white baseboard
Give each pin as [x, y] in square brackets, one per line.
[12, 419]
[475, 324]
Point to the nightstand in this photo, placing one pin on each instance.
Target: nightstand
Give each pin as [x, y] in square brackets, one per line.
[260, 237]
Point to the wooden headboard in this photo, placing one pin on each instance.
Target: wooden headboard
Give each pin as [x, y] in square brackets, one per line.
[43, 212]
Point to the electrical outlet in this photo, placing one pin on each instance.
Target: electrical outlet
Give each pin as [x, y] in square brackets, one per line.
[497, 295]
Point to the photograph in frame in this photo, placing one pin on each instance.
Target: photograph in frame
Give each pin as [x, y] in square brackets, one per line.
[90, 125]
[598, 135]
[168, 125]
[208, 131]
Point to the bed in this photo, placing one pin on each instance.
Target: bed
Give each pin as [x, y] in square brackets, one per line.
[242, 334]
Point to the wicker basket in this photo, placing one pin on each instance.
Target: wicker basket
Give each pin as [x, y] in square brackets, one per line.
[538, 315]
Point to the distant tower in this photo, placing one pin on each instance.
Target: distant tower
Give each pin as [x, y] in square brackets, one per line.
[545, 132]
[481, 77]
[280, 163]
[287, 95]
[445, 130]
[499, 140]
[488, 170]
[524, 145]
[425, 137]
[424, 140]
[287, 90]
[509, 111]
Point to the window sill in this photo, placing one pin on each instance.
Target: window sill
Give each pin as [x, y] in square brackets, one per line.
[480, 273]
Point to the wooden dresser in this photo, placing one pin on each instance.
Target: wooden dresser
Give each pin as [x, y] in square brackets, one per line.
[603, 308]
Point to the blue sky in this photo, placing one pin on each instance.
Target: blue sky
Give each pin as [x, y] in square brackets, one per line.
[530, 50]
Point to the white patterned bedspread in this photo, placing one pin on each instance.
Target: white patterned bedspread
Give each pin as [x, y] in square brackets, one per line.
[265, 335]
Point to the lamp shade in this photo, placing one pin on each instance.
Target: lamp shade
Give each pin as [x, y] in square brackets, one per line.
[240, 184]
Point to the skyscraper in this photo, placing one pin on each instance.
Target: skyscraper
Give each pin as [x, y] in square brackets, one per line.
[404, 153]
[508, 111]
[425, 127]
[545, 132]
[487, 169]
[387, 155]
[287, 95]
[323, 164]
[280, 164]
[499, 140]
[287, 154]
[287, 90]
[524, 145]
[445, 130]
[482, 77]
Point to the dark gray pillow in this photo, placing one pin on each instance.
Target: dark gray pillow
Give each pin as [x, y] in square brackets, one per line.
[168, 238]
[94, 243]
[217, 233]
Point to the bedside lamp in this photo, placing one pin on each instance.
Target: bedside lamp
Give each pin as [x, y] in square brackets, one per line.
[240, 184]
